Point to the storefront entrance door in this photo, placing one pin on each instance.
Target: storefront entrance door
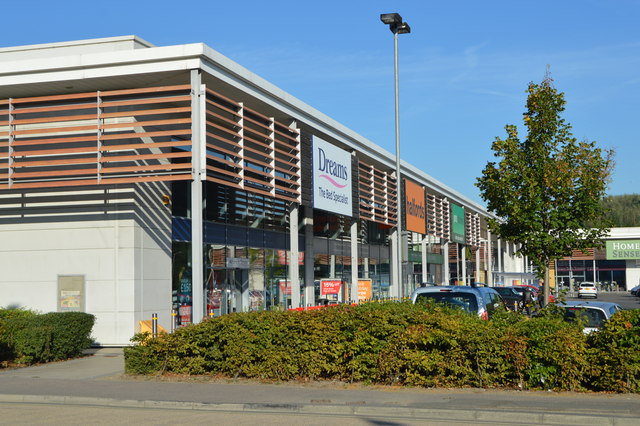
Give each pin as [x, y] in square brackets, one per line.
[227, 291]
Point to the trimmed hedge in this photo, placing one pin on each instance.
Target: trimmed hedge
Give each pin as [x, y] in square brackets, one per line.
[402, 344]
[28, 338]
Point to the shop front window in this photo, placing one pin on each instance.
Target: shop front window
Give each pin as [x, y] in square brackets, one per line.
[182, 299]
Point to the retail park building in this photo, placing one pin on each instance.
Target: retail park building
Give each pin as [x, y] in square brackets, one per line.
[137, 179]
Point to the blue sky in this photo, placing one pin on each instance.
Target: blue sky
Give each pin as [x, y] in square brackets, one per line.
[463, 69]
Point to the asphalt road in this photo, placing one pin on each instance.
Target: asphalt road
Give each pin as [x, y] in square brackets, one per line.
[622, 298]
[95, 390]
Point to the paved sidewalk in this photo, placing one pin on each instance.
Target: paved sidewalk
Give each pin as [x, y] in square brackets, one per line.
[98, 380]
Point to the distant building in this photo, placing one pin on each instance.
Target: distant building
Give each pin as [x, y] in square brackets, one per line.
[615, 266]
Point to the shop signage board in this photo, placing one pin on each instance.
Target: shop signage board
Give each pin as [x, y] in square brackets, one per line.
[71, 293]
[623, 249]
[457, 224]
[330, 286]
[415, 211]
[331, 178]
[365, 289]
[237, 263]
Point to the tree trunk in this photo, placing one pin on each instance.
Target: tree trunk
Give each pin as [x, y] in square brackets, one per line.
[547, 286]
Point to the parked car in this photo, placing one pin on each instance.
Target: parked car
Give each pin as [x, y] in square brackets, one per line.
[587, 289]
[483, 301]
[512, 297]
[595, 314]
[634, 290]
[520, 290]
[538, 292]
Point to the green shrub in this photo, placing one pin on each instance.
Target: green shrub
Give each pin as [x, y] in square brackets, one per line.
[400, 343]
[555, 352]
[33, 338]
[615, 354]
[6, 317]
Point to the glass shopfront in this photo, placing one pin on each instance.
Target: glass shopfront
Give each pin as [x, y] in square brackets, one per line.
[609, 274]
[247, 259]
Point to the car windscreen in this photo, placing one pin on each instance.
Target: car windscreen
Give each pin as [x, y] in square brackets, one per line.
[465, 301]
[503, 291]
[592, 317]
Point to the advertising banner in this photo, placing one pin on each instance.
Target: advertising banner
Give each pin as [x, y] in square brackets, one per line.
[330, 287]
[331, 178]
[285, 286]
[415, 211]
[364, 289]
[623, 249]
[457, 224]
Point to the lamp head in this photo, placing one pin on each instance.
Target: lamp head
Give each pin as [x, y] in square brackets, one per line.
[391, 18]
[394, 20]
[403, 28]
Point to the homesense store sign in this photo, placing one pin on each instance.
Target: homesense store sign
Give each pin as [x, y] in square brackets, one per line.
[623, 249]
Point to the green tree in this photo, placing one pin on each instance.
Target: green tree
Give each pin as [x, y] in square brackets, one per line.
[547, 190]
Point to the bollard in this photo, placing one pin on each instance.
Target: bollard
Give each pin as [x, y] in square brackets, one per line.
[154, 325]
[174, 319]
[211, 313]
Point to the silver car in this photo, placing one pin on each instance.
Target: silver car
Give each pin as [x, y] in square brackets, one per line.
[594, 313]
[483, 301]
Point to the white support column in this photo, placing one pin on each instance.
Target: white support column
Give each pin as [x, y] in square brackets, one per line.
[489, 260]
[309, 289]
[477, 269]
[500, 270]
[294, 269]
[394, 288]
[425, 266]
[197, 176]
[354, 261]
[463, 250]
[366, 267]
[445, 264]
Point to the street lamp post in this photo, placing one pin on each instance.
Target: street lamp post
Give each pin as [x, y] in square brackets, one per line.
[397, 26]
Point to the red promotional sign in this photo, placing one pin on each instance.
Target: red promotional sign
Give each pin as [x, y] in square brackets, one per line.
[184, 311]
[330, 287]
[285, 286]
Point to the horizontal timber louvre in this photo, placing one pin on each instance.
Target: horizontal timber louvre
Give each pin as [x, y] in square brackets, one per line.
[438, 220]
[378, 195]
[118, 136]
[250, 151]
[472, 222]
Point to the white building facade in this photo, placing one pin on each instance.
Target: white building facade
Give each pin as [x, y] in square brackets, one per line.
[137, 179]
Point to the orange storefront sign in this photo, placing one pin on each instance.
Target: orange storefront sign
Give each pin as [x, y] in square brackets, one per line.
[415, 209]
[364, 289]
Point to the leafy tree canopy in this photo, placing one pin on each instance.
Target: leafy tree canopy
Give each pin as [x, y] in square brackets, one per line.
[547, 189]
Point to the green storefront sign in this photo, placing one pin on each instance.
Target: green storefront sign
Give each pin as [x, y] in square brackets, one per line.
[457, 224]
[623, 249]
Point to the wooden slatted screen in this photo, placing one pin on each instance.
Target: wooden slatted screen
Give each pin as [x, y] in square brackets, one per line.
[377, 194]
[250, 151]
[438, 223]
[119, 136]
[472, 223]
